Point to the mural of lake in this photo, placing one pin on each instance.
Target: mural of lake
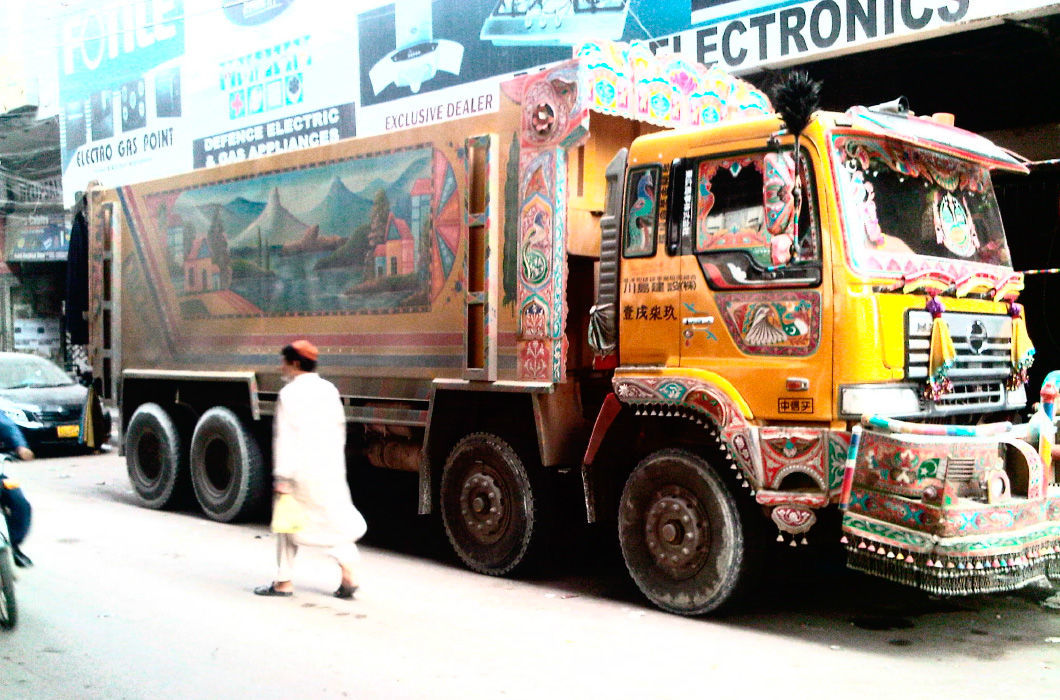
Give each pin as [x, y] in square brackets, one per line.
[372, 234]
[297, 285]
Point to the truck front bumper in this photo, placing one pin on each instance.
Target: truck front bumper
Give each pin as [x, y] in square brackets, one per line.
[953, 514]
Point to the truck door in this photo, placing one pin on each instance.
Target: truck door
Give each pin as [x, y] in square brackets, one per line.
[648, 299]
[746, 312]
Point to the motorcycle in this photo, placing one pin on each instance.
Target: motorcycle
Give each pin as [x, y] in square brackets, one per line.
[8, 606]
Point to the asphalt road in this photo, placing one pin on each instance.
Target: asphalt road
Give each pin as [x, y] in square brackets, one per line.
[126, 602]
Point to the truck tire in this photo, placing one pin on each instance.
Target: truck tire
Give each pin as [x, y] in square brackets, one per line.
[227, 470]
[492, 513]
[682, 534]
[156, 458]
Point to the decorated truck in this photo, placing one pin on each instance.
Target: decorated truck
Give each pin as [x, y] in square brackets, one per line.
[628, 267]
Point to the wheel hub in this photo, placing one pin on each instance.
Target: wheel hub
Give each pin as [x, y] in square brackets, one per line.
[482, 505]
[677, 531]
[218, 465]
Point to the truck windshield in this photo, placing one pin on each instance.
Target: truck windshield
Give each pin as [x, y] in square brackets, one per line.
[900, 201]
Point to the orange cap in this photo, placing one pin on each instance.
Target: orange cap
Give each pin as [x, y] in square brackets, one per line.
[306, 349]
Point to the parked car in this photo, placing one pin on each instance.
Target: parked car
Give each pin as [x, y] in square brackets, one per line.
[43, 401]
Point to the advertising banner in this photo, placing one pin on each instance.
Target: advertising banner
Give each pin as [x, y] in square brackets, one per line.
[742, 35]
[269, 77]
[36, 237]
[152, 88]
[120, 91]
[429, 61]
[417, 46]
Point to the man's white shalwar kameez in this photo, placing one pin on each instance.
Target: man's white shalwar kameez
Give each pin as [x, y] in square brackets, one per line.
[309, 438]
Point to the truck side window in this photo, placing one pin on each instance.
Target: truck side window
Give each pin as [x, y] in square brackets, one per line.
[642, 193]
[744, 222]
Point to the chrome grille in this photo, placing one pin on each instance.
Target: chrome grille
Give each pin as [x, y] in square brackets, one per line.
[982, 343]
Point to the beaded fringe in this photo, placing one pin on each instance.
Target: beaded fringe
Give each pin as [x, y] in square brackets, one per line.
[942, 575]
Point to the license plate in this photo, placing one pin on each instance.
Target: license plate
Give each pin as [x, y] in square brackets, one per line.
[69, 431]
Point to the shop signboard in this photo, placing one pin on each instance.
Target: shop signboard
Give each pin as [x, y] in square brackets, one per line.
[429, 61]
[151, 88]
[120, 91]
[743, 35]
[38, 336]
[269, 77]
[36, 238]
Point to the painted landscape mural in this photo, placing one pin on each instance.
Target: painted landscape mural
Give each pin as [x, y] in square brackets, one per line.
[373, 234]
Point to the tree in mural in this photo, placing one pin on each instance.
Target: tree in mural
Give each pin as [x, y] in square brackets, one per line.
[377, 221]
[215, 237]
[423, 251]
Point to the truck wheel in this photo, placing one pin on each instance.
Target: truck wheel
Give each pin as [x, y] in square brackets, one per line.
[156, 458]
[489, 508]
[681, 533]
[227, 470]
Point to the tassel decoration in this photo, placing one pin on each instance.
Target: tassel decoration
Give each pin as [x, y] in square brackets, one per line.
[943, 355]
[1022, 349]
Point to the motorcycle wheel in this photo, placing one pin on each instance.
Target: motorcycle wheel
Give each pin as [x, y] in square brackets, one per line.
[8, 608]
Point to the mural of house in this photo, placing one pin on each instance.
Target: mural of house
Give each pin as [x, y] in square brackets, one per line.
[201, 273]
[396, 256]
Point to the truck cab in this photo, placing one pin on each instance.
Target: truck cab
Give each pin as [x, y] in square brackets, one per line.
[786, 303]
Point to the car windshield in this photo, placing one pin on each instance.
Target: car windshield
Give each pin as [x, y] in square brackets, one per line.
[28, 371]
[900, 201]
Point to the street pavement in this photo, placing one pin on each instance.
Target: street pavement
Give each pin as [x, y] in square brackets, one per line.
[125, 602]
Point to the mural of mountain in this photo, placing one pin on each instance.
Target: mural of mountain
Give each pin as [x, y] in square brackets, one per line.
[313, 242]
[340, 211]
[275, 224]
[236, 215]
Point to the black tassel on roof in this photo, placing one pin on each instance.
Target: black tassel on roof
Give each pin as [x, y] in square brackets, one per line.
[796, 99]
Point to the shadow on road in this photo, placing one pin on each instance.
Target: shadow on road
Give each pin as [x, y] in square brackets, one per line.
[805, 593]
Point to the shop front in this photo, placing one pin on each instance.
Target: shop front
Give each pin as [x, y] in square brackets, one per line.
[33, 284]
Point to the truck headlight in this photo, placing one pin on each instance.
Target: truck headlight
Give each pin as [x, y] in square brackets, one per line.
[890, 401]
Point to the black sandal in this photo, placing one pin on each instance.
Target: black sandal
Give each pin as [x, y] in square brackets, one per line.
[270, 590]
[345, 592]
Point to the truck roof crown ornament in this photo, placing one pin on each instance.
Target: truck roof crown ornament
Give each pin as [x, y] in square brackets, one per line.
[899, 105]
[796, 98]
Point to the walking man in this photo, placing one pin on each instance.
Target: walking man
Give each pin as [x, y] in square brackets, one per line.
[309, 438]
